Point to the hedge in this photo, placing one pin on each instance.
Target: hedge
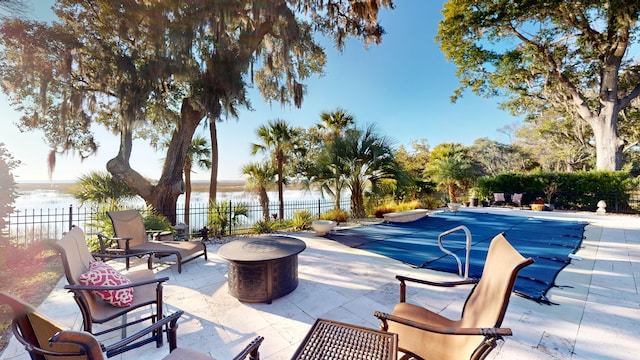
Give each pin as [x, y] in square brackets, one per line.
[574, 190]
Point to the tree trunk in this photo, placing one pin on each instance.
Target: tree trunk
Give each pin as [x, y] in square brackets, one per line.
[213, 179]
[264, 203]
[337, 195]
[187, 192]
[164, 195]
[357, 200]
[609, 145]
[451, 188]
[280, 161]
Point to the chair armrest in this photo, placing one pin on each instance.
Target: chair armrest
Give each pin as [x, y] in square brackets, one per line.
[154, 233]
[404, 279]
[470, 281]
[487, 332]
[85, 340]
[121, 255]
[250, 350]
[117, 287]
[105, 247]
[170, 321]
[90, 343]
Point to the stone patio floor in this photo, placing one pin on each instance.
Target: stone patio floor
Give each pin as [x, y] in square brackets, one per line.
[597, 316]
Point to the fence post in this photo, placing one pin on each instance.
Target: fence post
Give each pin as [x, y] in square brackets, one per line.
[318, 208]
[230, 218]
[70, 216]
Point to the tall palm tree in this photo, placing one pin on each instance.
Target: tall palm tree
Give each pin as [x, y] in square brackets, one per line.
[199, 154]
[451, 168]
[330, 176]
[261, 177]
[281, 141]
[334, 123]
[366, 158]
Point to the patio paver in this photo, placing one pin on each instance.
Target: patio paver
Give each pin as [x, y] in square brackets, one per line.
[597, 315]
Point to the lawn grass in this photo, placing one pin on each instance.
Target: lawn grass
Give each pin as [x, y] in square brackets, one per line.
[29, 273]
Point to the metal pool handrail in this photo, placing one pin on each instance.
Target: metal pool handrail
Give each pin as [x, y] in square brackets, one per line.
[468, 248]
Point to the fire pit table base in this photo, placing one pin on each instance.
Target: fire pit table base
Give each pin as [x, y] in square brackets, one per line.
[263, 268]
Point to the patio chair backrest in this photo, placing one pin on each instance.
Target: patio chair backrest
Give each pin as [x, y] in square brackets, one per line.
[33, 330]
[487, 304]
[128, 224]
[76, 259]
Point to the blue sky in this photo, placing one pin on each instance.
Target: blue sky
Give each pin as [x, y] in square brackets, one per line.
[402, 85]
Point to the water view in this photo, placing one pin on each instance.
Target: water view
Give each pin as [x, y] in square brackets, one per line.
[57, 196]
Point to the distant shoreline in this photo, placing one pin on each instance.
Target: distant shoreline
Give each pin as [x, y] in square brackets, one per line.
[196, 186]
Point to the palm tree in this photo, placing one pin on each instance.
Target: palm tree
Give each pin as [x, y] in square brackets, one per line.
[365, 157]
[451, 168]
[280, 141]
[330, 177]
[334, 123]
[260, 178]
[198, 153]
[102, 189]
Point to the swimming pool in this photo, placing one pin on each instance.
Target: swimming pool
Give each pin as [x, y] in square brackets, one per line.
[549, 242]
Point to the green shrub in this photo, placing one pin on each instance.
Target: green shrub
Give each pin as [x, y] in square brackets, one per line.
[380, 210]
[390, 207]
[154, 221]
[222, 218]
[337, 215]
[430, 202]
[263, 227]
[301, 220]
[579, 190]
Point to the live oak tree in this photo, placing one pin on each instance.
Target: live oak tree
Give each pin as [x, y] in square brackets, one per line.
[569, 55]
[493, 158]
[154, 68]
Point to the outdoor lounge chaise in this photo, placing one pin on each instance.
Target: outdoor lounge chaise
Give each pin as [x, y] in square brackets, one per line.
[44, 339]
[104, 294]
[131, 237]
[423, 334]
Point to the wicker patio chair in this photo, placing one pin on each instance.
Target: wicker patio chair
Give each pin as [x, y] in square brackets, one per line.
[147, 297]
[131, 237]
[423, 334]
[43, 338]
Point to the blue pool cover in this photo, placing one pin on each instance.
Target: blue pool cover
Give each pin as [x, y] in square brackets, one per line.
[548, 242]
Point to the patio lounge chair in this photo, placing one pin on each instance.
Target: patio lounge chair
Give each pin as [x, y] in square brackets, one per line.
[517, 199]
[424, 334]
[131, 237]
[78, 267]
[43, 338]
[499, 199]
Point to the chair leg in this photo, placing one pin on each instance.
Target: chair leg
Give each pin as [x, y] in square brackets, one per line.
[124, 327]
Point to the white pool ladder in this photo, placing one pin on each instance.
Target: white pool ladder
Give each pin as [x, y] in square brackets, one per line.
[468, 248]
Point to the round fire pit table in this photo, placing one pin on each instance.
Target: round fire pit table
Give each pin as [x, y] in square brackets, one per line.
[262, 268]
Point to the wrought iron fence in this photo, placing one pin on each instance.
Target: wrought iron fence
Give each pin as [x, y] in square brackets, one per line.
[27, 226]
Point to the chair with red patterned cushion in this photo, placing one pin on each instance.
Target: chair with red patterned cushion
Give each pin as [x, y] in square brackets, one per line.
[102, 295]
